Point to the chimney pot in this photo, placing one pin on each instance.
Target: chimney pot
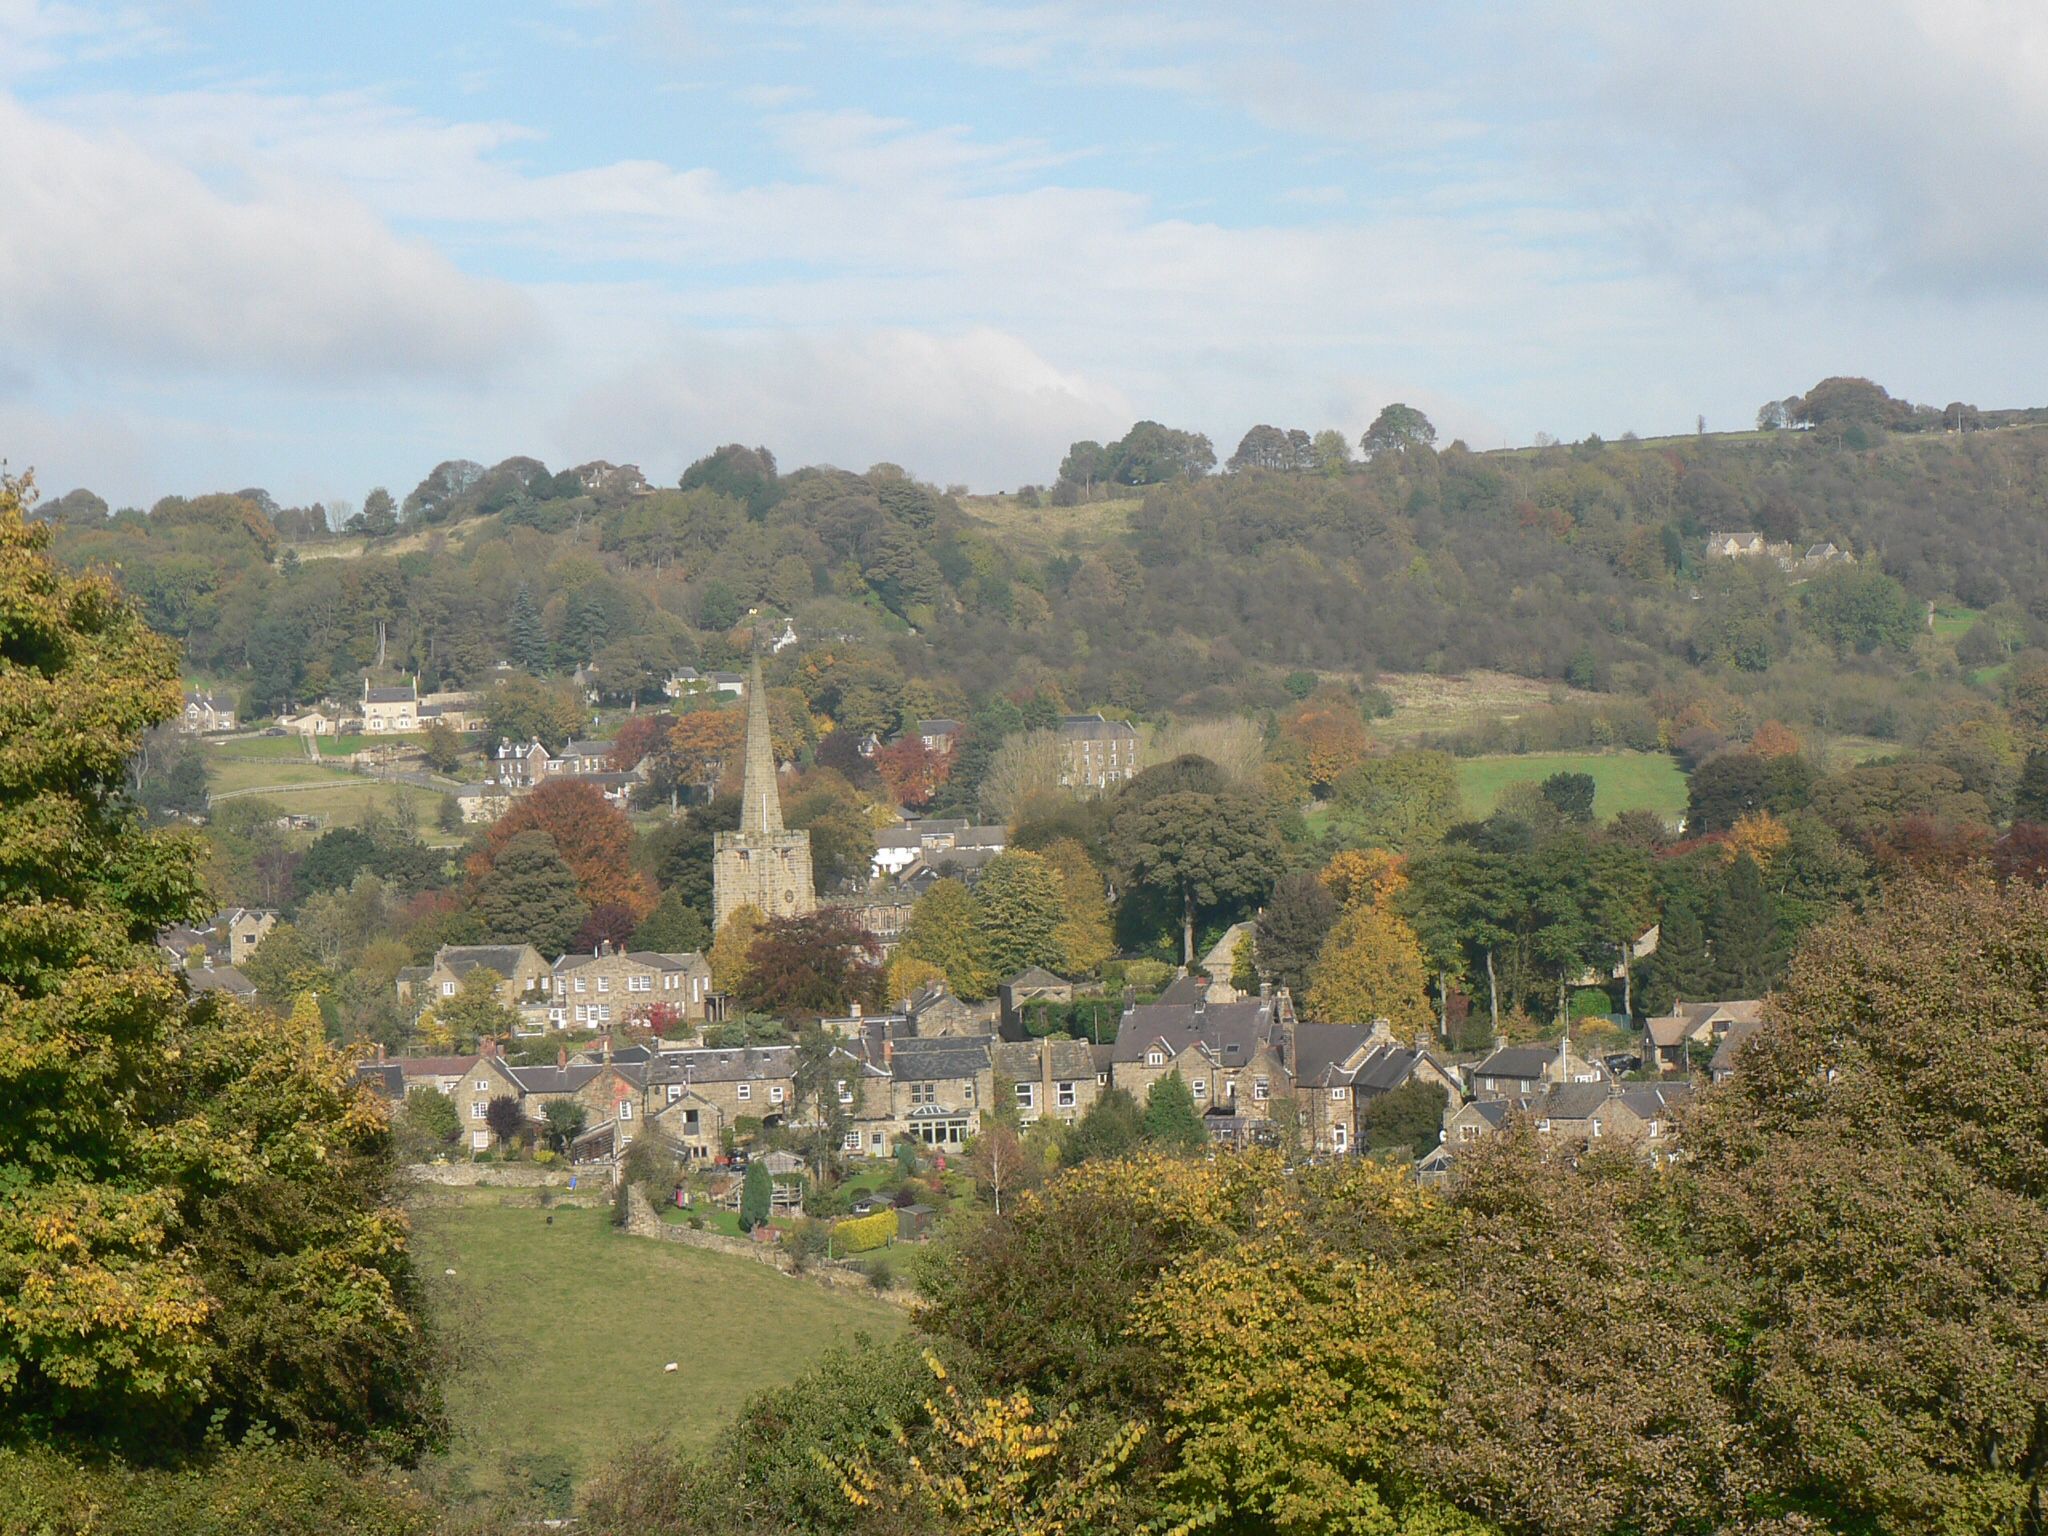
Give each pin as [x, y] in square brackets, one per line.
[561, 1056]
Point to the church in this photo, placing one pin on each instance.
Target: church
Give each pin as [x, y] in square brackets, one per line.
[763, 864]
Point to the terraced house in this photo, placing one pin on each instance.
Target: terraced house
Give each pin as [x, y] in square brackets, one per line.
[525, 981]
[619, 986]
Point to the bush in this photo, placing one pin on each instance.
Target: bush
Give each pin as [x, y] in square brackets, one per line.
[266, 1492]
[862, 1234]
[1591, 1003]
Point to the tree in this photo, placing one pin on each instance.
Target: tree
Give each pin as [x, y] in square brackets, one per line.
[1018, 908]
[1724, 787]
[1171, 1121]
[913, 772]
[757, 1201]
[823, 1079]
[1406, 1118]
[1113, 1125]
[477, 1010]
[2030, 798]
[591, 835]
[1859, 609]
[526, 639]
[674, 927]
[611, 924]
[1291, 930]
[1207, 850]
[1406, 801]
[1397, 429]
[997, 1159]
[945, 930]
[522, 709]
[169, 1162]
[822, 963]
[1370, 968]
[379, 514]
[432, 1113]
[563, 1121]
[506, 1119]
[528, 895]
[1888, 1117]
[441, 747]
[1084, 937]
[1743, 933]
[732, 946]
[703, 747]
[1572, 794]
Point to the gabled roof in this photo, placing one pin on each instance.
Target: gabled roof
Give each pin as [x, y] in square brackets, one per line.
[1228, 1032]
[944, 1057]
[1184, 991]
[1021, 1060]
[1731, 1046]
[589, 748]
[461, 959]
[1321, 1051]
[219, 978]
[405, 695]
[553, 1079]
[1520, 1061]
[385, 1077]
[1654, 1101]
[741, 1064]
[937, 727]
[1574, 1101]
[436, 1066]
[1036, 976]
[1094, 728]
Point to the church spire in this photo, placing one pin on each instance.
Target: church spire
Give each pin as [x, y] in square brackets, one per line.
[761, 805]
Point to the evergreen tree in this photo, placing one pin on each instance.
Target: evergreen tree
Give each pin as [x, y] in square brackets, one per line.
[2030, 799]
[1113, 1125]
[527, 635]
[1681, 967]
[1018, 908]
[1743, 931]
[529, 896]
[757, 1197]
[1170, 1118]
[674, 927]
[1292, 928]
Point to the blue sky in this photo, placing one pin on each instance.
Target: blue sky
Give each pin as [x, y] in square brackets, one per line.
[320, 247]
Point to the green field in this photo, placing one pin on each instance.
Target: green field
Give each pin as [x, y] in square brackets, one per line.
[1952, 622]
[1048, 529]
[1624, 781]
[286, 748]
[560, 1334]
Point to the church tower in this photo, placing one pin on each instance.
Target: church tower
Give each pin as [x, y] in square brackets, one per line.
[763, 864]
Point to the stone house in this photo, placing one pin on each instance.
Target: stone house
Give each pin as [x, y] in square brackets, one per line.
[936, 1091]
[617, 986]
[1522, 1071]
[482, 804]
[1050, 1079]
[388, 711]
[242, 929]
[936, 1011]
[1032, 984]
[525, 980]
[1097, 754]
[1232, 1056]
[1668, 1040]
[522, 764]
[206, 713]
[486, 1078]
[1339, 1069]
[939, 736]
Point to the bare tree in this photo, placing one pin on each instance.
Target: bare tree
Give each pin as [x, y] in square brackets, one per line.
[1022, 767]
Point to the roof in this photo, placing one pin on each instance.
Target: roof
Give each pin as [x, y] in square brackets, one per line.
[938, 727]
[1575, 1101]
[1652, 1101]
[740, 1064]
[217, 702]
[1525, 1061]
[219, 978]
[907, 838]
[943, 1057]
[464, 958]
[1229, 1032]
[1037, 976]
[554, 1079]
[652, 959]
[589, 748]
[436, 1066]
[1021, 1061]
[1094, 728]
[386, 1077]
[404, 695]
[1185, 990]
[1690, 1019]
[1731, 1046]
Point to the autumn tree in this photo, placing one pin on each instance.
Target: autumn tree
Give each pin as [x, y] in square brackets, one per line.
[1406, 801]
[506, 1120]
[1368, 876]
[944, 930]
[703, 749]
[591, 835]
[1018, 908]
[732, 946]
[912, 772]
[523, 709]
[908, 975]
[1084, 935]
[1370, 968]
[1326, 735]
[822, 963]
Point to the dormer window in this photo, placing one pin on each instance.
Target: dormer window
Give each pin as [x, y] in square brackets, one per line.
[1155, 1058]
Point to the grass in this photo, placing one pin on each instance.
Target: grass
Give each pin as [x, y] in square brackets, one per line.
[561, 1332]
[1045, 530]
[288, 748]
[1953, 621]
[1623, 781]
[1426, 703]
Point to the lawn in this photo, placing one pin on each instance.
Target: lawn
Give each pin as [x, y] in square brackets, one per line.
[1623, 781]
[286, 748]
[560, 1334]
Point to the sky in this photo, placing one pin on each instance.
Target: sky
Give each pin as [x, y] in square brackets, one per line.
[320, 247]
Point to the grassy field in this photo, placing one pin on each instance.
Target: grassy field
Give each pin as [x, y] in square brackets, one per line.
[1624, 781]
[1045, 530]
[1426, 703]
[1953, 621]
[561, 1333]
[288, 748]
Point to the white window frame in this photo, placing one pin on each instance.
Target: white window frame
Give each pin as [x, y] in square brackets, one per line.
[1027, 1095]
[1339, 1095]
[850, 1142]
[744, 1092]
[476, 1109]
[845, 1091]
[482, 1085]
[1155, 1058]
[625, 1109]
[604, 983]
[447, 989]
[1067, 1097]
[1339, 1138]
[1199, 1088]
[582, 984]
[775, 1093]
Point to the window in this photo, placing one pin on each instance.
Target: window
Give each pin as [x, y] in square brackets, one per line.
[640, 983]
[1543, 1125]
[1102, 1079]
[845, 1091]
[924, 1093]
[582, 984]
[604, 983]
[967, 1093]
[625, 1109]
[746, 1092]
[775, 1093]
[447, 989]
[480, 1139]
[852, 1141]
[1066, 1095]
[1155, 1058]
[1468, 1133]
[476, 1109]
[1339, 1095]
[1596, 1127]
[671, 983]
[1338, 1137]
[602, 1012]
[1199, 1087]
[1262, 1089]
[1027, 1095]
[482, 1085]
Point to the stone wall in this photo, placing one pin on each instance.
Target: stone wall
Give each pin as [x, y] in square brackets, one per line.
[642, 1221]
[509, 1176]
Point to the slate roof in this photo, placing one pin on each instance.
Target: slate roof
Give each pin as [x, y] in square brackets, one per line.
[908, 838]
[1575, 1101]
[1320, 1051]
[1067, 1060]
[1229, 1031]
[589, 748]
[388, 695]
[741, 1064]
[553, 1079]
[1095, 728]
[1518, 1061]
[461, 959]
[946, 1056]
[385, 1077]
[219, 978]
[1653, 1101]
[219, 703]
[436, 1066]
[1036, 976]
[1730, 1047]
[652, 959]
[939, 727]
[982, 837]
[1184, 991]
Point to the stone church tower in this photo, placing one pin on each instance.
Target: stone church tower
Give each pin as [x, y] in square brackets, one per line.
[762, 864]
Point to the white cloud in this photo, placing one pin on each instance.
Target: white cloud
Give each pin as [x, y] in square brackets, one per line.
[111, 253]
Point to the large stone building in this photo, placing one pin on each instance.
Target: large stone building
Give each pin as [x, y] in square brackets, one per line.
[763, 864]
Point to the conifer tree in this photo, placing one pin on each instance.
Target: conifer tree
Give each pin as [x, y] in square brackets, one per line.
[1170, 1118]
[527, 637]
[1743, 929]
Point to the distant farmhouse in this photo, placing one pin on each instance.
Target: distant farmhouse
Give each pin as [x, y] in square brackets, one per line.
[207, 713]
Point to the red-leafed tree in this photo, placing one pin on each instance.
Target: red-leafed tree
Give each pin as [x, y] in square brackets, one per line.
[635, 739]
[815, 965]
[913, 772]
[591, 834]
[611, 924]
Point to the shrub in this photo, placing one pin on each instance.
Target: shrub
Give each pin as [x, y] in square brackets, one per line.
[861, 1234]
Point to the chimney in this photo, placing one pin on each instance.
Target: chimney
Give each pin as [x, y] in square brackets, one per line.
[607, 1048]
[856, 1010]
[380, 1053]
[1201, 1003]
[888, 1049]
[1266, 992]
[561, 1056]
[1130, 997]
[1500, 1042]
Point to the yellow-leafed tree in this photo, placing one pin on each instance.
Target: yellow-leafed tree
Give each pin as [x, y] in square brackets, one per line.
[1370, 968]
